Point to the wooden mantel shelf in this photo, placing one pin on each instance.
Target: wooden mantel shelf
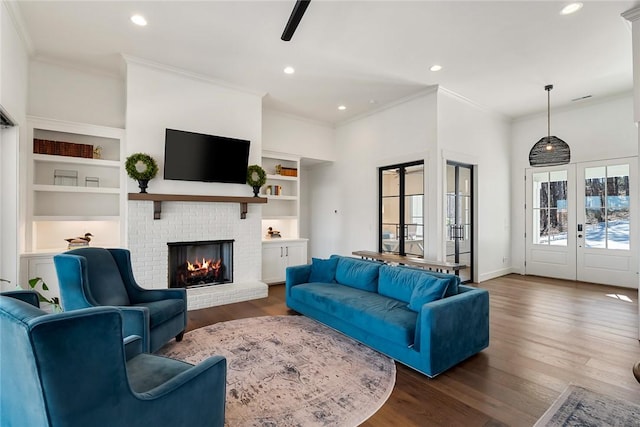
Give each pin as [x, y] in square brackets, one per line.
[157, 200]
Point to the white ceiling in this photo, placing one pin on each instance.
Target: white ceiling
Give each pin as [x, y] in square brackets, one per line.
[498, 54]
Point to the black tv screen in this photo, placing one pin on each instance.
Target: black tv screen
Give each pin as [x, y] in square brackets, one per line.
[190, 156]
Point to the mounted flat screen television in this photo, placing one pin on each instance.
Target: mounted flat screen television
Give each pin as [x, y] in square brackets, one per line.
[190, 156]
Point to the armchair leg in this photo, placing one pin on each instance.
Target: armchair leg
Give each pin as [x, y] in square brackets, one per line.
[180, 336]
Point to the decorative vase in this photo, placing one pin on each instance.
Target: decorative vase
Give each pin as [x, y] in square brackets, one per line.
[143, 183]
[256, 190]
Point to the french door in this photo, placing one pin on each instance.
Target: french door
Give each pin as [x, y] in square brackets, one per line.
[459, 217]
[581, 220]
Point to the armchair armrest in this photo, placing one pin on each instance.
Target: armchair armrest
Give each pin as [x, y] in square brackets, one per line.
[297, 275]
[135, 321]
[452, 329]
[132, 346]
[207, 375]
[30, 297]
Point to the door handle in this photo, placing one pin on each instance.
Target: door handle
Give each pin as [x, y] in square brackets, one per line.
[287, 251]
[280, 251]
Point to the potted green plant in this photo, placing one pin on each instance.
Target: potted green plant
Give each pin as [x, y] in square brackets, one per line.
[256, 177]
[141, 167]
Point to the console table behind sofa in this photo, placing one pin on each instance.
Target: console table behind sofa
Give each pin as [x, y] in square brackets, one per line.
[440, 266]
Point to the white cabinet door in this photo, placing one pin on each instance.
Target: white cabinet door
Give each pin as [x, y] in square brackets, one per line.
[277, 256]
[296, 253]
[273, 263]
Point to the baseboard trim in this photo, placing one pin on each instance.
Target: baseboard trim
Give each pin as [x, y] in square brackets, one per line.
[493, 274]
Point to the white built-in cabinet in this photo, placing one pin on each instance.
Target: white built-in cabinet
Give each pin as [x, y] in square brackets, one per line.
[279, 254]
[59, 207]
[281, 213]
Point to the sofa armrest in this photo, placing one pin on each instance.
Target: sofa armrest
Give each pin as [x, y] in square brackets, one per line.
[132, 346]
[454, 328]
[296, 275]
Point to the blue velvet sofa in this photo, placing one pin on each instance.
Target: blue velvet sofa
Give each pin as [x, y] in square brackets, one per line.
[425, 320]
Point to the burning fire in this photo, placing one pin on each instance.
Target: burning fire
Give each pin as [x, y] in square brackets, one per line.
[205, 265]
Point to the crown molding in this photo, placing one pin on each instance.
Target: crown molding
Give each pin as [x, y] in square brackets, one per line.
[16, 17]
[76, 66]
[632, 14]
[419, 94]
[129, 59]
[474, 104]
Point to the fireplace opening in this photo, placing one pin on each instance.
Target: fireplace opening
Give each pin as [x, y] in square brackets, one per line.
[201, 263]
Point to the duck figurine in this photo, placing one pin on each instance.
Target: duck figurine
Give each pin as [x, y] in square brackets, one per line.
[79, 241]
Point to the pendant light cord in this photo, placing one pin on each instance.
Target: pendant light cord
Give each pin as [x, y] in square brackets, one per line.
[548, 88]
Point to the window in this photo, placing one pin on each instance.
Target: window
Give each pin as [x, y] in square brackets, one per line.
[402, 209]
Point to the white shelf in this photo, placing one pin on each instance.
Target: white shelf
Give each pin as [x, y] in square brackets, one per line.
[282, 177]
[76, 160]
[281, 197]
[72, 189]
[76, 218]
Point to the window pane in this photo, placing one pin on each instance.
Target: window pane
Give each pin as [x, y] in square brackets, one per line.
[540, 189]
[390, 182]
[618, 207]
[558, 224]
[558, 189]
[414, 180]
[541, 226]
[595, 207]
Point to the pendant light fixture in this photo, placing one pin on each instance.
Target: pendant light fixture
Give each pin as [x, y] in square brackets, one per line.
[550, 150]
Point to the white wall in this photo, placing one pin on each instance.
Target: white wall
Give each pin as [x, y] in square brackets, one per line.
[284, 133]
[596, 130]
[469, 134]
[344, 194]
[158, 99]
[84, 96]
[13, 98]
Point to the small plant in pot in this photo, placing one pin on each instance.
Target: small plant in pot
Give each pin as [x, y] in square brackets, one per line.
[256, 177]
[141, 167]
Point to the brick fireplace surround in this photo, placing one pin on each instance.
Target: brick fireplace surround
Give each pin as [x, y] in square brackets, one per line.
[191, 221]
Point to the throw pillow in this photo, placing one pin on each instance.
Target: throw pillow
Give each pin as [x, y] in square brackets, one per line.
[323, 270]
[427, 290]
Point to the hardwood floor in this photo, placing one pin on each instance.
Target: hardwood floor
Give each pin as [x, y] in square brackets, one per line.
[545, 334]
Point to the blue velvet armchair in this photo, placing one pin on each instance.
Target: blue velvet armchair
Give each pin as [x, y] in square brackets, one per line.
[71, 370]
[90, 277]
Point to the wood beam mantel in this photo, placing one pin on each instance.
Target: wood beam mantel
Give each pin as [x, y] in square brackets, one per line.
[157, 200]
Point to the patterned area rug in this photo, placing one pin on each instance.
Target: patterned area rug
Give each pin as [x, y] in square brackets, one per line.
[578, 406]
[291, 371]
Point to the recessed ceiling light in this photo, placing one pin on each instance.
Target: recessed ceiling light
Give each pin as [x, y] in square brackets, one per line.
[342, 107]
[139, 20]
[571, 8]
[436, 67]
[289, 70]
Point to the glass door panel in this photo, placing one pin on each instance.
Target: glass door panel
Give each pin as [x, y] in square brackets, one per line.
[459, 217]
[402, 209]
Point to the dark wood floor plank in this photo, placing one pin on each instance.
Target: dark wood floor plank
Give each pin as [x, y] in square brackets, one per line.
[545, 334]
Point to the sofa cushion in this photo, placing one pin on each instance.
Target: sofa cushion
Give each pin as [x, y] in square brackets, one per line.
[380, 315]
[454, 281]
[357, 273]
[163, 310]
[398, 282]
[323, 270]
[429, 289]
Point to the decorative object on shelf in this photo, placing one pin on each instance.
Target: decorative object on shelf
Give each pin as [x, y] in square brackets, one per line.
[59, 148]
[54, 301]
[273, 233]
[268, 190]
[549, 150]
[277, 190]
[78, 242]
[256, 177]
[65, 177]
[92, 181]
[284, 171]
[141, 167]
[97, 152]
